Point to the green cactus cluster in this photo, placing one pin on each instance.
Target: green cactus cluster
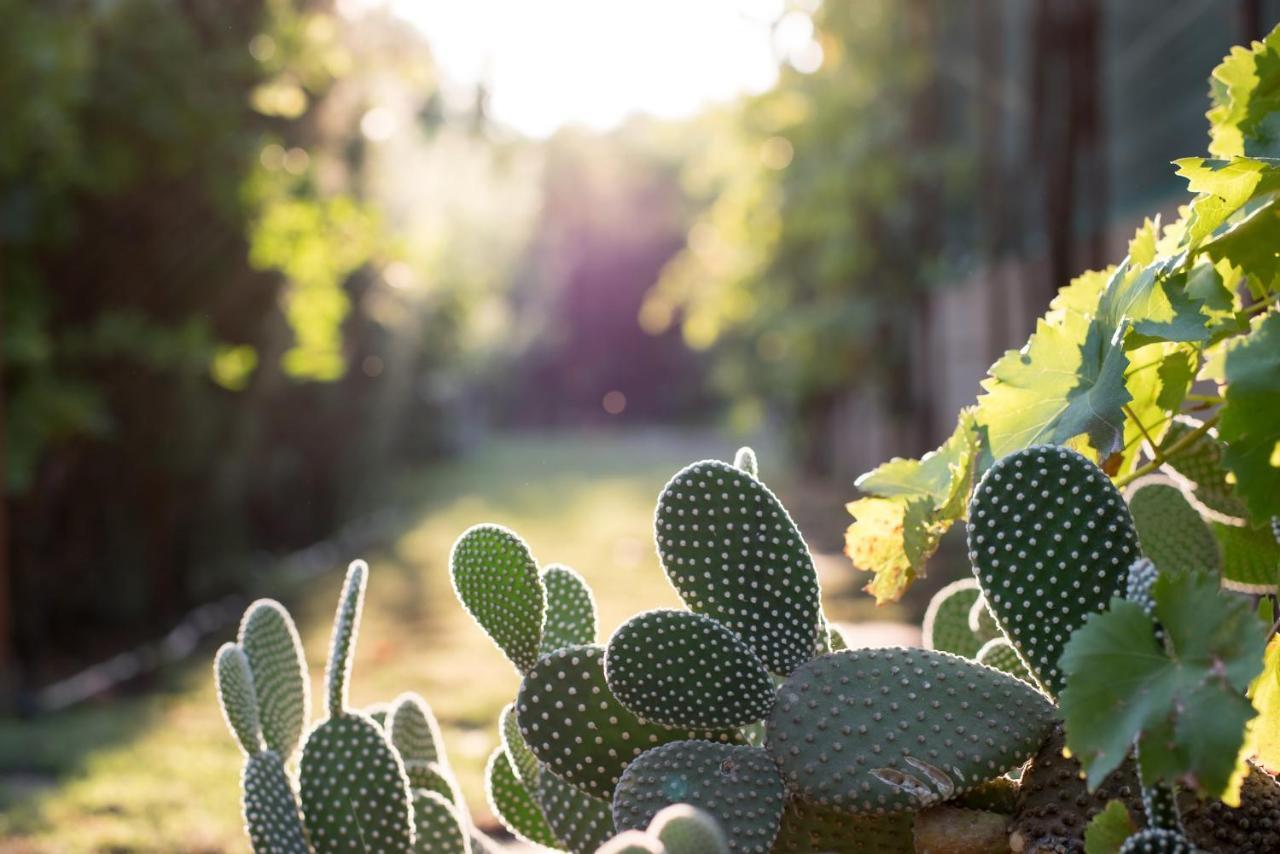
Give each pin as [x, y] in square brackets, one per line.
[376, 781]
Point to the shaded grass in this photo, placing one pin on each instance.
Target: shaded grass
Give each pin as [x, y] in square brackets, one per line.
[160, 772]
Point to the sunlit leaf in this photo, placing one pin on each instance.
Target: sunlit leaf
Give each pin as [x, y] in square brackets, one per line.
[1246, 95]
[1108, 830]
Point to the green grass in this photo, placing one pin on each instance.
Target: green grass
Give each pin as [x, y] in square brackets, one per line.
[160, 772]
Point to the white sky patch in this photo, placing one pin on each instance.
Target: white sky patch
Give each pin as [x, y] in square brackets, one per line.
[550, 63]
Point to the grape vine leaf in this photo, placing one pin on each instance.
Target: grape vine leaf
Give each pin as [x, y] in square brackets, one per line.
[1186, 706]
[1108, 830]
[1249, 247]
[1245, 89]
[1067, 380]
[1264, 730]
[912, 504]
[1250, 424]
[1222, 187]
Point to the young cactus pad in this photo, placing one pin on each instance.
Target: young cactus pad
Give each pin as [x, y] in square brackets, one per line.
[438, 827]
[684, 669]
[413, 730]
[355, 794]
[513, 803]
[946, 622]
[564, 697]
[1170, 531]
[236, 696]
[1200, 465]
[1051, 541]
[581, 822]
[270, 640]
[633, 842]
[999, 653]
[738, 786]
[732, 553]
[497, 581]
[523, 762]
[685, 829]
[571, 609]
[882, 730]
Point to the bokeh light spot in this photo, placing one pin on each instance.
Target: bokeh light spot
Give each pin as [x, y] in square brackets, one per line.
[614, 402]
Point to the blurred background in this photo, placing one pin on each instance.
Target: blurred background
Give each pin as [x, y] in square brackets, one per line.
[287, 282]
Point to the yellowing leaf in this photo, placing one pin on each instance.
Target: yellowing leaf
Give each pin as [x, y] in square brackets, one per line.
[891, 538]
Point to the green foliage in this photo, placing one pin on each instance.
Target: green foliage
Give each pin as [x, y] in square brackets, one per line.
[893, 750]
[684, 669]
[497, 581]
[1183, 704]
[738, 786]
[1245, 101]
[1048, 533]
[283, 690]
[1108, 830]
[706, 507]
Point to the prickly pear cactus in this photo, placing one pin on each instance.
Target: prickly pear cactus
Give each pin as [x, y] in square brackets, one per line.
[270, 641]
[497, 581]
[684, 829]
[523, 762]
[738, 786]
[1170, 531]
[633, 842]
[571, 609]
[1154, 840]
[236, 696]
[355, 794]
[883, 730]
[513, 803]
[438, 829]
[808, 828]
[1051, 541]
[413, 730]
[564, 696]
[732, 552]
[683, 669]
[946, 622]
[1000, 654]
[581, 822]
[1199, 464]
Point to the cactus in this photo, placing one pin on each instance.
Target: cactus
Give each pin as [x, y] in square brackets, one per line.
[998, 653]
[1170, 531]
[808, 828]
[271, 813]
[438, 828]
[581, 822]
[738, 786]
[1250, 558]
[982, 623]
[513, 803]
[270, 641]
[355, 793]
[732, 552]
[571, 610]
[745, 460]
[1199, 464]
[497, 581]
[1051, 541]
[684, 829]
[523, 762]
[947, 829]
[413, 730]
[1154, 840]
[683, 669]
[946, 622]
[565, 695]
[882, 730]
[633, 842]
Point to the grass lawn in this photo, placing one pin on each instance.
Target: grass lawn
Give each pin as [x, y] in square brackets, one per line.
[159, 771]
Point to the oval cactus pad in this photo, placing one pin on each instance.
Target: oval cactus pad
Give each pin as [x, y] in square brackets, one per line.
[497, 581]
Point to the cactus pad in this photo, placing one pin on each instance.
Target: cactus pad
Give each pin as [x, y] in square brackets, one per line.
[738, 786]
[271, 813]
[497, 581]
[1200, 464]
[1250, 559]
[1171, 532]
[679, 668]
[1000, 654]
[346, 625]
[808, 828]
[947, 829]
[732, 553]
[581, 823]
[236, 696]
[1156, 841]
[571, 610]
[270, 640]
[523, 762]
[684, 829]
[1051, 541]
[881, 730]
[745, 460]
[513, 803]
[981, 623]
[413, 730]
[946, 622]
[563, 698]
[633, 842]
[355, 795]
[438, 827]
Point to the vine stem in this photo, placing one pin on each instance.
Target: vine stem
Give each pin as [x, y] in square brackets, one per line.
[1141, 428]
[1161, 455]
